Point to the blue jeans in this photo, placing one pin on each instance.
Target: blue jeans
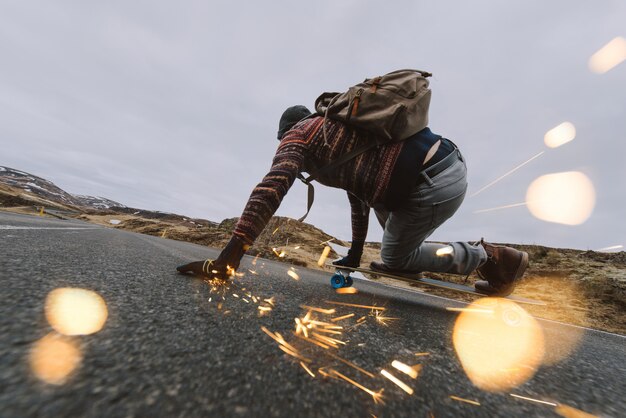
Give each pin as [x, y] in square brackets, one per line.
[431, 202]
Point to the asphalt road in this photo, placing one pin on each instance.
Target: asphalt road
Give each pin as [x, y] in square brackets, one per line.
[166, 350]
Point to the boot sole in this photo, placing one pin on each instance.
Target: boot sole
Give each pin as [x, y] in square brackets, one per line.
[507, 289]
[518, 275]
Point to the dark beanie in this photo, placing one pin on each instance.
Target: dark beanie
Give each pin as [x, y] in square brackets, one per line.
[290, 117]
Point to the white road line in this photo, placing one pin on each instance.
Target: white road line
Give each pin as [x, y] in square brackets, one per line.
[12, 227]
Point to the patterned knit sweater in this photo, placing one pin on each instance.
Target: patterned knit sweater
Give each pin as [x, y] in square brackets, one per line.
[366, 178]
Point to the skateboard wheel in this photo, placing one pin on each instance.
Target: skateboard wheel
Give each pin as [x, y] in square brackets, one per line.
[349, 281]
[337, 281]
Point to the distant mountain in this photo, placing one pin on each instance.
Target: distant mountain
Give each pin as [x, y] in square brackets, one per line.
[41, 188]
[19, 189]
[98, 202]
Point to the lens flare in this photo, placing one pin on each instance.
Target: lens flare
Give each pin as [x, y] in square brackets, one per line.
[447, 250]
[567, 302]
[559, 135]
[72, 311]
[53, 358]
[498, 350]
[566, 198]
[609, 56]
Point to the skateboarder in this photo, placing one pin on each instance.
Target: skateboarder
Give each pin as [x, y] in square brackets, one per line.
[413, 186]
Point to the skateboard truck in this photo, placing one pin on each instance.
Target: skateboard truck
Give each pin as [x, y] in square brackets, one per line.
[341, 278]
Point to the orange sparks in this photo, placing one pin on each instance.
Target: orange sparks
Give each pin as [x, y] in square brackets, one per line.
[279, 255]
[347, 290]
[279, 339]
[506, 174]
[307, 369]
[422, 354]
[312, 341]
[327, 340]
[264, 308]
[329, 331]
[296, 248]
[514, 205]
[339, 318]
[397, 381]
[293, 275]
[456, 398]
[320, 310]
[406, 369]
[346, 362]
[376, 395]
[611, 248]
[255, 259]
[472, 310]
[276, 230]
[230, 271]
[569, 412]
[324, 256]
[353, 305]
[327, 325]
[253, 272]
[294, 354]
[270, 301]
[533, 400]
[382, 319]
[325, 373]
[301, 328]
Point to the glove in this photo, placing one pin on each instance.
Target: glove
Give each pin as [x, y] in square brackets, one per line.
[353, 259]
[206, 268]
[223, 268]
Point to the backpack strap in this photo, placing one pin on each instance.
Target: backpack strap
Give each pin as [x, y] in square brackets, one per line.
[323, 170]
[310, 196]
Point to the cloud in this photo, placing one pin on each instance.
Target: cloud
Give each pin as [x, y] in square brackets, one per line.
[175, 107]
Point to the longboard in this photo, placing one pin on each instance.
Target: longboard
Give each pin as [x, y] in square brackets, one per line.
[342, 278]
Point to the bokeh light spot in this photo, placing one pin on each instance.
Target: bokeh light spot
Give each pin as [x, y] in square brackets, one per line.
[560, 134]
[53, 358]
[499, 344]
[566, 198]
[72, 311]
[609, 56]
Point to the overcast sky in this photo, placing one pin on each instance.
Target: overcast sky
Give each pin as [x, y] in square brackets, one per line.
[174, 106]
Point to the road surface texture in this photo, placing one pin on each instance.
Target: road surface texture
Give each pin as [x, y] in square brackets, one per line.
[168, 348]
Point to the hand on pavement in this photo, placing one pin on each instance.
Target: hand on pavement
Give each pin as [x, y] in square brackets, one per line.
[206, 268]
[223, 268]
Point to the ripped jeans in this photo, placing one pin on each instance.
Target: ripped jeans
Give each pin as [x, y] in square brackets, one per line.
[431, 202]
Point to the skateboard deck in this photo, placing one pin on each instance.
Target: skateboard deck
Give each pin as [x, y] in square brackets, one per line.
[342, 278]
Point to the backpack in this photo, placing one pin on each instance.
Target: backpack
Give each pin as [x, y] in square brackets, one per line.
[391, 108]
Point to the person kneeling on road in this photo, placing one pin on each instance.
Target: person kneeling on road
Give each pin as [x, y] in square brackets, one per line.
[413, 186]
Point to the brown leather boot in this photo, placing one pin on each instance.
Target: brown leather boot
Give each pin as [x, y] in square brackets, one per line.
[504, 267]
